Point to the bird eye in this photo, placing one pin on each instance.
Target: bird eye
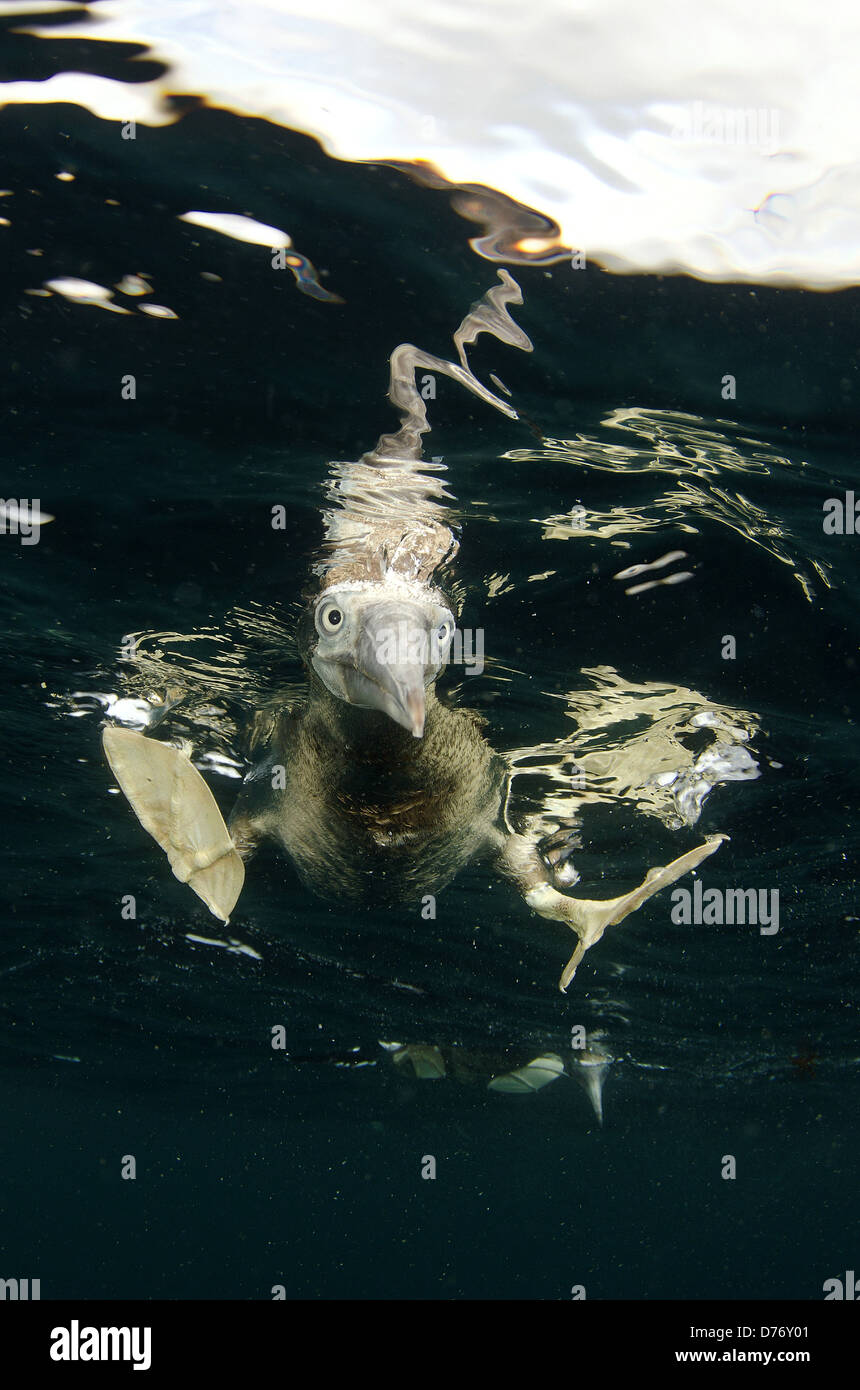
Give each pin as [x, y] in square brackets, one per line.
[329, 618]
[443, 632]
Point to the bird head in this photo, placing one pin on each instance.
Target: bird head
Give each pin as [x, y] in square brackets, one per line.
[380, 645]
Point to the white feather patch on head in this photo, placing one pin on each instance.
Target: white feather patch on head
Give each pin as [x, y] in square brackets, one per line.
[393, 587]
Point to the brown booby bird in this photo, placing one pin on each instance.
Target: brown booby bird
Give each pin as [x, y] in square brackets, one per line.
[375, 788]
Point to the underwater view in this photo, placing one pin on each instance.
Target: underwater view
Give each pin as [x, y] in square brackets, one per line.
[431, 561]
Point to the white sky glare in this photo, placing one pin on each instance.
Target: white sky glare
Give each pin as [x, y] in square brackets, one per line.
[721, 140]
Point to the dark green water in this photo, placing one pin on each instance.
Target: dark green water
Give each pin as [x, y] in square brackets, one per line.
[258, 1167]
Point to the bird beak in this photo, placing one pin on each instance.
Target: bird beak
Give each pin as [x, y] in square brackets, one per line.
[393, 656]
[409, 708]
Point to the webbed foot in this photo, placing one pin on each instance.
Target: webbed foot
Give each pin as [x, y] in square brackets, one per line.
[177, 808]
[536, 1074]
[590, 918]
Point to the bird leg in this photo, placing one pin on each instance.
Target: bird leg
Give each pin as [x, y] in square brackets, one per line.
[588, 917]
